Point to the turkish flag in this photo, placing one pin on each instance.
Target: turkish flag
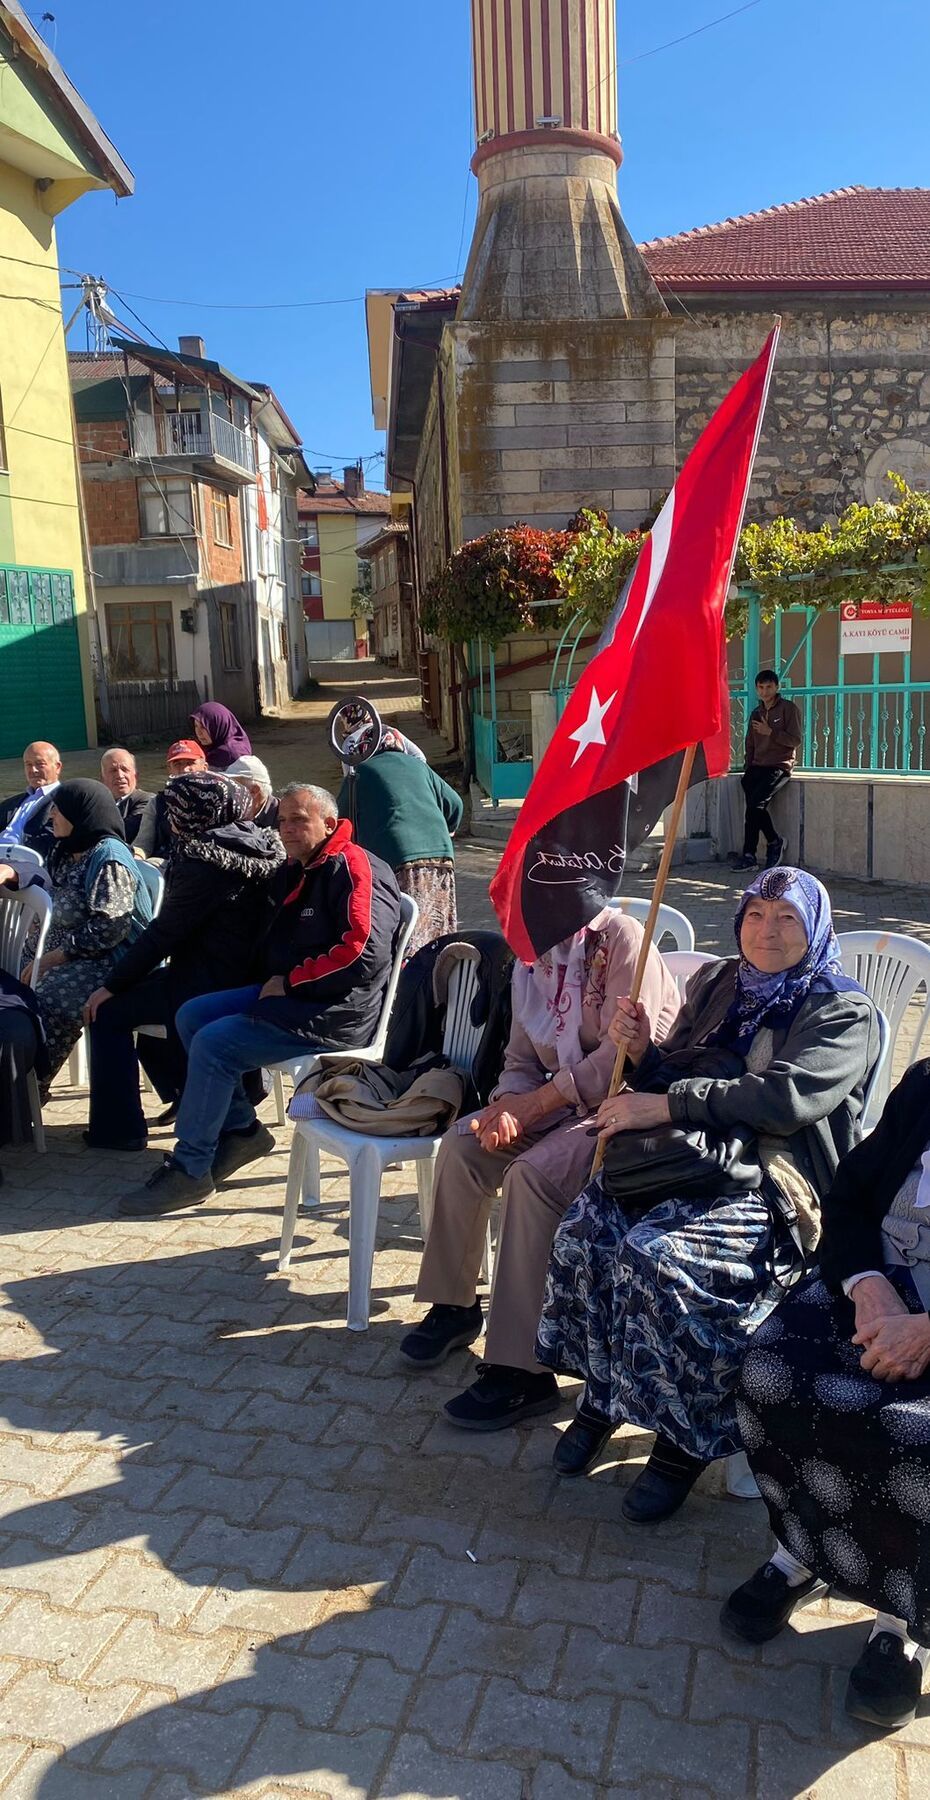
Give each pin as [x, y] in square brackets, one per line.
[656, 684]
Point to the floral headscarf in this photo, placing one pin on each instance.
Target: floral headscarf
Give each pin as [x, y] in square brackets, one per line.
[200, 802]
[210, 815]
[774, 999]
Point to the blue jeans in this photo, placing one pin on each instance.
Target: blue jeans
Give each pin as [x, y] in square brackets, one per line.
[223, 1039]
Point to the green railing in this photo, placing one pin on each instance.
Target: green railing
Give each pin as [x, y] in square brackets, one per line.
[503, 743]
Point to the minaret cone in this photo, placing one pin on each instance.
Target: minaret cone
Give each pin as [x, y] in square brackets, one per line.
[549, 239]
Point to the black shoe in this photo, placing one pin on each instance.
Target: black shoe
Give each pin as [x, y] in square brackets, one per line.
[169, 1115]
[774, 853]
[445, 1328]
[761, 1608]
[580, 1446]
[502, 1397]
[662, 1486]
[745, 862]
[125, 1144]
[168, 1190]
[236, 1148]
[884, 1686]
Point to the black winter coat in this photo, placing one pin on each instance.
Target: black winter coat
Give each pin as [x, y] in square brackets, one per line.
[868, 1179]
[212, 917]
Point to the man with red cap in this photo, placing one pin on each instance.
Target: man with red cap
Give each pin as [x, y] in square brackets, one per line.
[153, 838]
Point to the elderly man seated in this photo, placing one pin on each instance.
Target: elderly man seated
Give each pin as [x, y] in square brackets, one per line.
[153, 836]
[26, 819]
[118, 773]
[252, 774]
[325, 962]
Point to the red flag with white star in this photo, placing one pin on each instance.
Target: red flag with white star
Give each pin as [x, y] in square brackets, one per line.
[656, 685]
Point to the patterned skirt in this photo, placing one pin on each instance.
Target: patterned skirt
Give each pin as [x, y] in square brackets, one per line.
[432, 885]
[655, 1315]
[842, 1460]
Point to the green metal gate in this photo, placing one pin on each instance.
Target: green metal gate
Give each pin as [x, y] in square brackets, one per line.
[41, 691]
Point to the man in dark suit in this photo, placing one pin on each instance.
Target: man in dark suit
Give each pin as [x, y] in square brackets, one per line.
[118, 773]
[26, 818]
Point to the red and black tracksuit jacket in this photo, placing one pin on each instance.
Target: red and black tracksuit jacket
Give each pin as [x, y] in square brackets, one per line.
[332, 938]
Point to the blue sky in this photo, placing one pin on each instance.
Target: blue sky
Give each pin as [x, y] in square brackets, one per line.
[303, 150]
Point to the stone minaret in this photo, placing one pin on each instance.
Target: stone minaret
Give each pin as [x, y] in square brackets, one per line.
[558, 376]
[549, 239]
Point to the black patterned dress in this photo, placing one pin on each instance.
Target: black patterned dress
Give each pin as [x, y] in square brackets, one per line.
[842, 1460]
[88, 927]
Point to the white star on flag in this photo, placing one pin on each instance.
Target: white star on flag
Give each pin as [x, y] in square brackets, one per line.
[592, 731]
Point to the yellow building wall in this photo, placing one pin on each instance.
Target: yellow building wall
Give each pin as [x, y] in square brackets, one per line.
[338, 563]
[39, 519]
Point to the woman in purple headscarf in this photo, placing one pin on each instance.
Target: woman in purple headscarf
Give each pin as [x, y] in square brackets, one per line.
[221, 735]
[652, 1296]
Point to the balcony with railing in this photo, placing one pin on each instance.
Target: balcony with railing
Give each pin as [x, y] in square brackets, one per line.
[198, 436]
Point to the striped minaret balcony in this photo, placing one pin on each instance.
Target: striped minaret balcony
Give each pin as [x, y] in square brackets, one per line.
[545, 69]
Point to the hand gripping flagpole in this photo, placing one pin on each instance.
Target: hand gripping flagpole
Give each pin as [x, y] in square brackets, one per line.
[649, 929]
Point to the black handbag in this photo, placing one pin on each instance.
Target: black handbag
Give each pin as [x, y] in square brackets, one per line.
[674, 1162]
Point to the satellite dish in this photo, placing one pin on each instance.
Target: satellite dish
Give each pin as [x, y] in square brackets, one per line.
[355, 730]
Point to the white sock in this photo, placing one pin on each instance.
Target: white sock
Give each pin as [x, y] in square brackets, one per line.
[789, 1565]
[898, 1628]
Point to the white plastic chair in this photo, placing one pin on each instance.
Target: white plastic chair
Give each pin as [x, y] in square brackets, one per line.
[19, 913]
[892, 968]
[741, 1482]
[367, 1157]
[301, 1066]
[78, 1061]
[685, 963]
[670, 921]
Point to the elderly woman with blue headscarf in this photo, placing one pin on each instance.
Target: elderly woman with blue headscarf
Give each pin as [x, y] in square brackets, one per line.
[708, 1200]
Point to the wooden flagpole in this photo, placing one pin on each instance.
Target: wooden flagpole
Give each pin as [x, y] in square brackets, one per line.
[649, 929]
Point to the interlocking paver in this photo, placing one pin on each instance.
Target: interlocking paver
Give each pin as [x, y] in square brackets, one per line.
[233, 1536]
[592, 1664]
[57, 1712]
[715, 1756]
[69, 1642]
[432, 1576]
[443, 1707]
[145, 1652]
[528, 1653]
[324, 1762]
[605, 1604]
[418, 1772]
[529, 1724]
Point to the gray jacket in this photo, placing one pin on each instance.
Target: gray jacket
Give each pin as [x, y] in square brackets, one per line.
[812, 1090]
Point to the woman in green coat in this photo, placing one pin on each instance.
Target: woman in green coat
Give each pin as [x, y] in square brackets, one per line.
[406, 814]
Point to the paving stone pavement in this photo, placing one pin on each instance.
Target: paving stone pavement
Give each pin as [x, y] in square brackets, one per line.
[241, 1554]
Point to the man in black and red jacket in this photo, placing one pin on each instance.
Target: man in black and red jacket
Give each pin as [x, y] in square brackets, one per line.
[325, 961]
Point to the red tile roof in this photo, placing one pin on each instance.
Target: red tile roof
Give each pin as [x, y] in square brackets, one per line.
[856, 237]
[93, 365]
[331, 497]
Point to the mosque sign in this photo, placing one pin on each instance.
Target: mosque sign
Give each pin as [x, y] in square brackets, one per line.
[871, 628]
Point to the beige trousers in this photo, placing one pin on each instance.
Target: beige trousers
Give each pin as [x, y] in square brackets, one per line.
[538, 1184]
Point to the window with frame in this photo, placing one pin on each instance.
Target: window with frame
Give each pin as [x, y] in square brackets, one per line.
[282, 638]
[140, 639]
[309, 534]
[167, 508]
[229, 635]
[222, 522]
[311, 586]
[280, 567]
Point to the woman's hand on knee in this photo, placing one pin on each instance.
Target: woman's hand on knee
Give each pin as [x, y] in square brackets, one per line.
[98, 998]
[629, 1030]
[874, 1300]
[899, 1349]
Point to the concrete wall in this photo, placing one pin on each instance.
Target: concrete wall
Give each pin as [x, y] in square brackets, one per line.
[874, 828]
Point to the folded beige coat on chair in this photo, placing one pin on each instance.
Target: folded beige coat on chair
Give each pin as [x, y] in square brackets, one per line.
[370, 1098]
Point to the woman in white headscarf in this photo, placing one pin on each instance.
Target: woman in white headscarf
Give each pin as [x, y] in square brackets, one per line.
[534, 1143]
